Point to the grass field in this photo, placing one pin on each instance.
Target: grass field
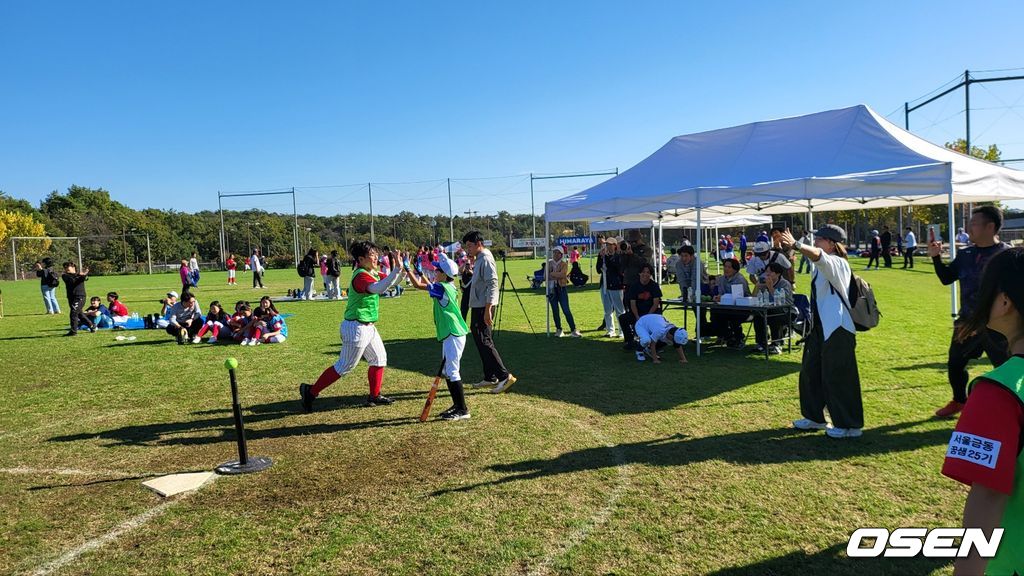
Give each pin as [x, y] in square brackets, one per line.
[591, 464]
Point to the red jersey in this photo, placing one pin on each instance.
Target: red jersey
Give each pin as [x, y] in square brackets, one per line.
[118, 309]
[231, 264]
[986, 443]
[361, 282]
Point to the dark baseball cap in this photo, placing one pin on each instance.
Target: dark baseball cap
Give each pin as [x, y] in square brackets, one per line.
[831, 232]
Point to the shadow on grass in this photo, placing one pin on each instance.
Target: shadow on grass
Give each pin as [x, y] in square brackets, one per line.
[833, 561]
[597, 373]
[108, 480]
[196, 432]
[776, 446]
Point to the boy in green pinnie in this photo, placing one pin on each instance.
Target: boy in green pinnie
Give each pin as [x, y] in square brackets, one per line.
[451, 328]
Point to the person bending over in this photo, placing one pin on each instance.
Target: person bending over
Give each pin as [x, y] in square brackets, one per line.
[653, 331]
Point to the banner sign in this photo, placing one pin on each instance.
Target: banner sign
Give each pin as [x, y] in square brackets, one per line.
[575, 240]
[527, 242]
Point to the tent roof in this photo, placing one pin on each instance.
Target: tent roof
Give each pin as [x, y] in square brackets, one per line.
[845, 159]
[670, 222]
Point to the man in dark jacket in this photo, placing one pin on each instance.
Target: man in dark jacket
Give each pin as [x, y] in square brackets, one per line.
[886, 246]
[75, 285]
[966, 268]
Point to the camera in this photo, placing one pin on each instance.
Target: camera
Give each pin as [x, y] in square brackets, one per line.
[501, 253]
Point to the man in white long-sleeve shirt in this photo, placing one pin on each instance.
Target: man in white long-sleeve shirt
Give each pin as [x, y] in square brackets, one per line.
[359, 336]
[828, 372]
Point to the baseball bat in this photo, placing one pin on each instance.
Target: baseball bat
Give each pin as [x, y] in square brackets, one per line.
[433, 392]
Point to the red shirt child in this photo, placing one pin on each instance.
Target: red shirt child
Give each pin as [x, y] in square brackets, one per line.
[986, 442]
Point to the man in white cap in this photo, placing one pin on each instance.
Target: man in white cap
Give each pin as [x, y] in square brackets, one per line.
[763, 256]
[652, 331]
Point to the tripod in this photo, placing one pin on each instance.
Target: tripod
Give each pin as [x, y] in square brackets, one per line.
[501, 295]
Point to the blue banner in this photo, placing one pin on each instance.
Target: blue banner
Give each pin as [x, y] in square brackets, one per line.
[575, 240]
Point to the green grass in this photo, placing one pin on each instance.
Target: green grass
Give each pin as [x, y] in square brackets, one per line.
[592, 464]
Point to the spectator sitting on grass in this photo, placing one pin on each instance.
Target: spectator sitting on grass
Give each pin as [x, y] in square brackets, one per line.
[185, 319]
[239, 321]
[653, 331]
[215, 321]
[98, 313]
[276, 330]
[165, 309]
[118, 311]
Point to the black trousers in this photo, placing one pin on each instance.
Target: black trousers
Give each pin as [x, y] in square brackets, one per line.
[829, 379]
[257, 278]
[886, 256]
[908, 257]
[76, 314]
[873, 258]
[728, 325]
[775, 326]
[193, 329]
[990, 342]
[627, 324]
[494, 369]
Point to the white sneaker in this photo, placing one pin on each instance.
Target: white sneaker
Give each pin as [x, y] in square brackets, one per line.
[212, 340]
[611, 334]
[576, 334]
[834, 432]
[504, 385]
[807, 424]
[559, 334]
[196, 340]
[245, 341]
[255, 342]
[484, 384]
[640, 356]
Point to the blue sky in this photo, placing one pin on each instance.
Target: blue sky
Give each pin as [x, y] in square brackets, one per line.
[164, 104]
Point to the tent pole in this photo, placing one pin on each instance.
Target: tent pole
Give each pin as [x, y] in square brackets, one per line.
[696, 280]
[547, 250]
[952, 254]
[661, 240]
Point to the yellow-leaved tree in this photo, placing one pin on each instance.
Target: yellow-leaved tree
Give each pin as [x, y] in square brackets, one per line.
[16, 224]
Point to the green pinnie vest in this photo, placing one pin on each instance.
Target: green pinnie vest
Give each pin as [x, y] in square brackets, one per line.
[1009, 559]
[448, 319]
[361, 307]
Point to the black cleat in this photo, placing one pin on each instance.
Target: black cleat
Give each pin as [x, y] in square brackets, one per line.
[456, 415]
[69, 333]
[448, 412]
[381, 400]
[307, 397]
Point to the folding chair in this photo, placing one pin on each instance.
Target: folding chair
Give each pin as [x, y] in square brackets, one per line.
[804, 316]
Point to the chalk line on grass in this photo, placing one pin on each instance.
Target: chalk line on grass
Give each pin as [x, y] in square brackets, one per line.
[119, 530]
[71, 472]
[113, 534]
[598, 519]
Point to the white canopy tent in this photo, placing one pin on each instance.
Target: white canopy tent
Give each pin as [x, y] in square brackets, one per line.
[845, 159]
[677, 222]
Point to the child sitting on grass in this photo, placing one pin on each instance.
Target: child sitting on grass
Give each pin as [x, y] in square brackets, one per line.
[118, 311]
[216, 320]
[653, 331]
[451, 328]
[239, 322]
[98, 314]
[276, 330]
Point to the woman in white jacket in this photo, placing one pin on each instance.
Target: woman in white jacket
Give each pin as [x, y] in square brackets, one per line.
[828, 374]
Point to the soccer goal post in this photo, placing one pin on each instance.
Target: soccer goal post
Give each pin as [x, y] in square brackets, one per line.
[35, 247]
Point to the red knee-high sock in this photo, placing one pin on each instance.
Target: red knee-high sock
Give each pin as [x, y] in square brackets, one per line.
[376, 377]
[256, 334]
[216, 330]
[203, 331]
[327, 377]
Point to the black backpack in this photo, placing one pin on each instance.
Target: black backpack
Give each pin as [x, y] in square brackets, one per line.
[303, 268]
[51, 279]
